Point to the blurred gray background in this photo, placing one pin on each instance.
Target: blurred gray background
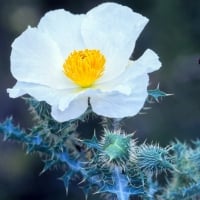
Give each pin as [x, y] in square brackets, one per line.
[173, 32]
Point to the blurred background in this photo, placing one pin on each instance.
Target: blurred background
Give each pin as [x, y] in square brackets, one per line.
[173, 32]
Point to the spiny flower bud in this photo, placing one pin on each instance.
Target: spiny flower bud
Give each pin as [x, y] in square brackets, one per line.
[117, 148]
[153, 159]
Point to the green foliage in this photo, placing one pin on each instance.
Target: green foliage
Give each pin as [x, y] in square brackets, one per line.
[185, 182]
[113, 164]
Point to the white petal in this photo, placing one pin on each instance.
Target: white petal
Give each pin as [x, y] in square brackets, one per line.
[16, 91]
[60, 98]
[74, 106]
[147, 63]
[40, 93]
[117, 105]
[113, 29]
[74, 110]
[118, 85]
[36, 58]
[64, 28]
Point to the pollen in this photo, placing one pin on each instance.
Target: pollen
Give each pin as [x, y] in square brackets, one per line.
[84, 67]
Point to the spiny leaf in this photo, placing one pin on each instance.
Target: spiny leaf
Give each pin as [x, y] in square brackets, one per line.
[187, 193]
[87, 188]
[92, 143]
[10, 130]
[156, 94]
[72, 164]
[48, 165]
[66, 179]
[121, 186]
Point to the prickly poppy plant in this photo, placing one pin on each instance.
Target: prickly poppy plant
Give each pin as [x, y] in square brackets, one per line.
[73, 66]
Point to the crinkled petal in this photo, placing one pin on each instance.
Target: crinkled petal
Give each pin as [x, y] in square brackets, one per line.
[147, 63]
[113, 29]
[118, 105]
[35, 58]
[64, 28]
[74, 110]
[60, 98]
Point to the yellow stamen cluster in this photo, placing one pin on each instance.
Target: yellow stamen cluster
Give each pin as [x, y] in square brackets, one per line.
[84, 67]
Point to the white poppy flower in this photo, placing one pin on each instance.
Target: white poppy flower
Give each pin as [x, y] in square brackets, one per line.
[70, 59]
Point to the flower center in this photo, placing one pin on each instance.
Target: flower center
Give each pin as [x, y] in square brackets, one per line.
[84, 67]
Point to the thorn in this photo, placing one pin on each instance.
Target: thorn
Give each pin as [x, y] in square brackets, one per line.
[147, 108]
[82, 181]
[169, 94]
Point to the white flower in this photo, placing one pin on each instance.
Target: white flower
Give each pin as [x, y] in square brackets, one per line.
[70, 59]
